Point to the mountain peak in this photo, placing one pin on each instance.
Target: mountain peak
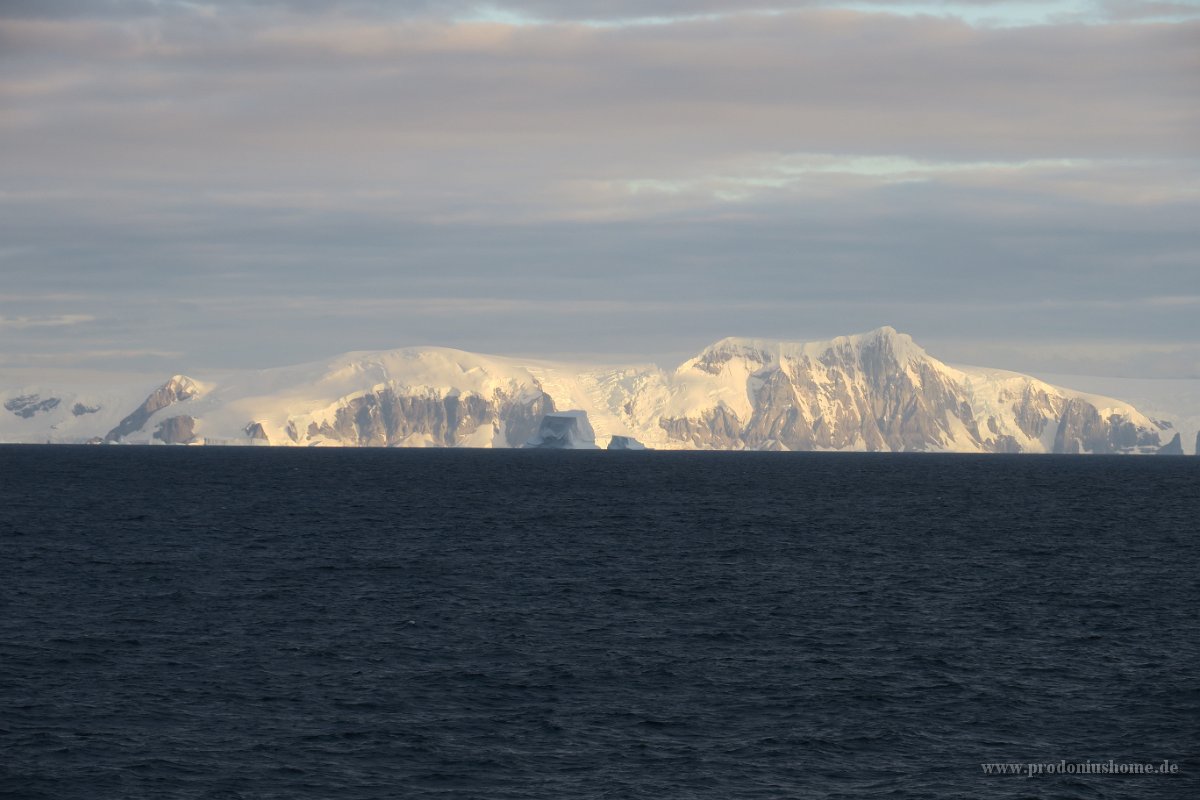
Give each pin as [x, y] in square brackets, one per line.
[182, 385]
[176, 390]
[876, 390]
[885, 332]
[770, 350]
[900, 344]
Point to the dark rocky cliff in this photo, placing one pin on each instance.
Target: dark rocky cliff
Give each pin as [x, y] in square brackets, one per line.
[881, 393]
[176, 430]
[385, 418]
[1173, 447]
[176, 390]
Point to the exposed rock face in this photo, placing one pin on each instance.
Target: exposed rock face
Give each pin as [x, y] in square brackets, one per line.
[386, 419]
[879, 391]
[79, 409]
[1173, 447]
[521, 419]
[1033, 408]
[846, 396]
[27, 405]
[625, 443]
[566, 430]
[1006, 444]
[376, 420]
[718, 428]
[176, 390]
[254, 430]
[874, 391]
[1081, 429]
[176, 430]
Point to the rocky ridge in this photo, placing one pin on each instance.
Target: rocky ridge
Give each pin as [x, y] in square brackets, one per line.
[877, 391]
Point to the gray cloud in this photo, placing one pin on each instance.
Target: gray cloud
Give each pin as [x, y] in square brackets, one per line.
[570, 10]
[55, 321]
[535, 9]
[83, 357]
[1126, 10]
[254, 183]
[399, 101]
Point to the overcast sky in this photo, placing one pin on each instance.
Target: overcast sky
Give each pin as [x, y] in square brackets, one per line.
[185, 185]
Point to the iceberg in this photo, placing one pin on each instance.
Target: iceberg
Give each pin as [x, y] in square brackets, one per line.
[564, 430]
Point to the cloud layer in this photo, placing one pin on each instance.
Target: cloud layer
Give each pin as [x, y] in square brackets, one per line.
[253, 183]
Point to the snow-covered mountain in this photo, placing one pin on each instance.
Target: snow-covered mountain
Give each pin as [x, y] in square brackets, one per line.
[876, 391]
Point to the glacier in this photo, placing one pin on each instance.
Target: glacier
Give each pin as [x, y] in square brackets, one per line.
[874, 391]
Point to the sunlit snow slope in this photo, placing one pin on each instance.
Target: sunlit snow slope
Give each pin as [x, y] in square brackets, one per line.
[877, 391]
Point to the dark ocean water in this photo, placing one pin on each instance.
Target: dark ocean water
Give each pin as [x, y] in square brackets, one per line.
[225, 623]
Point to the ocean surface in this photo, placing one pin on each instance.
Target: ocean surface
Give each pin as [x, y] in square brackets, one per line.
[271, 623]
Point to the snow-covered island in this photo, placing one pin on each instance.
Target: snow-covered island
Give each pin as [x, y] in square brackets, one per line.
[876, 391]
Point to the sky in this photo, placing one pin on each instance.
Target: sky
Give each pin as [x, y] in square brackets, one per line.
[192, 185]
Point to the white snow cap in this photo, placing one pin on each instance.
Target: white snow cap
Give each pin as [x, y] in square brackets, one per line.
[830, 389]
